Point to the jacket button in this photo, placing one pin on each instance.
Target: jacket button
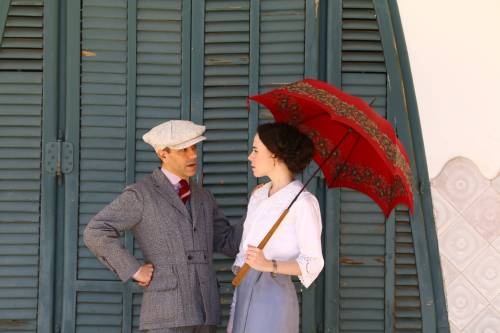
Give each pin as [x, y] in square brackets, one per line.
[190, 257]
[194, 229]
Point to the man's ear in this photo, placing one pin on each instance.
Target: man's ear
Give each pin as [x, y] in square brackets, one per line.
[161, 153]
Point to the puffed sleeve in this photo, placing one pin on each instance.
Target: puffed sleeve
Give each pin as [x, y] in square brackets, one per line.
[308, 228]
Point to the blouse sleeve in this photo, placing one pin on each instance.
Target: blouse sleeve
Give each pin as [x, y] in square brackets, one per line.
[308, 228]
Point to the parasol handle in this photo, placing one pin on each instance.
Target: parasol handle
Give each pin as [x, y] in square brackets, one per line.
[245, 268]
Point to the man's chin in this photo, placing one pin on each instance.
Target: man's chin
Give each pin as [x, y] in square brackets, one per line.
[190, 171]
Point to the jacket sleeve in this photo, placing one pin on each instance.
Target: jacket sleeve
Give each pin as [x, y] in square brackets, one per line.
[102, 234]
[227, 237]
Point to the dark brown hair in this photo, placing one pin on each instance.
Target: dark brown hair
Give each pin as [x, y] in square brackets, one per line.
[290, 145]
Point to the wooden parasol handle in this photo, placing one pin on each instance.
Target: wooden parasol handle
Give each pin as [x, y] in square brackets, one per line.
[244, 270]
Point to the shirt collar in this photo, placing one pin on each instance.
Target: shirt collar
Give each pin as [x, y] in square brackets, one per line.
[172, 178]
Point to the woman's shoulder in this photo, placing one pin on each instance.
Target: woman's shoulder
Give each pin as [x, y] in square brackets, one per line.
[307, 200]
[260, 191]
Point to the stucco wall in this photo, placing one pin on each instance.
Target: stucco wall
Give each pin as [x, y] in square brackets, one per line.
[454, 52]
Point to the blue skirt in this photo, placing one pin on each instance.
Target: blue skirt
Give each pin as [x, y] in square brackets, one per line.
[266, 304]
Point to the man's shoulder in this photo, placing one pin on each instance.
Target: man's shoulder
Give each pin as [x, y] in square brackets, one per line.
[141, 184]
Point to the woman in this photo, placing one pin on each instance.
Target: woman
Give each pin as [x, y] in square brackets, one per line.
[266, 300]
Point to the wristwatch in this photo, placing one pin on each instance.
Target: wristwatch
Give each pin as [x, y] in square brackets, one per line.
[275, 268]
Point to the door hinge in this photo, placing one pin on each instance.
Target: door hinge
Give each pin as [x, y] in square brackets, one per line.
[59, 157]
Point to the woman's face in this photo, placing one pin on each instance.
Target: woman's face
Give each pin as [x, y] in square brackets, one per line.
[261, 159]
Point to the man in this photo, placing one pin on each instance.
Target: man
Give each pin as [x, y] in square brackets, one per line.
[177, 225]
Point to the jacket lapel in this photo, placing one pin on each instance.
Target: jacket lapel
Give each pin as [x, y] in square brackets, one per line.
[196, 202]
[166, 189]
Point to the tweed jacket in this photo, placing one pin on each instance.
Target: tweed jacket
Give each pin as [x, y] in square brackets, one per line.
[177, 243]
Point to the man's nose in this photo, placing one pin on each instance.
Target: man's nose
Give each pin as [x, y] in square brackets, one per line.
[193, 154]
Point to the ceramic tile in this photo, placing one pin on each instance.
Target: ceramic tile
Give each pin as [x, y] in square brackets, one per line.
[444, 212]
[488, 321]
[450, 272]
[460, 182]
[496, 303]
[460, 243]
[464, 302]
[484, 273]
[484, 214]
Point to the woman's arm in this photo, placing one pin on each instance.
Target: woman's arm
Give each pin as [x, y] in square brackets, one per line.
[256, 259]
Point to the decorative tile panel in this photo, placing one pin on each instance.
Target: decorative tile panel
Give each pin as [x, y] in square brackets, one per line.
[484, 273]
[496, 184]
[486, 322]
[484, 214]
[444, 212]
[460, 243]
[460, 182]
[467, 214]
[450, 272]
[464, 302]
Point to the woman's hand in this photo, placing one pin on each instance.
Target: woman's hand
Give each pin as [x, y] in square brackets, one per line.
[254, 257]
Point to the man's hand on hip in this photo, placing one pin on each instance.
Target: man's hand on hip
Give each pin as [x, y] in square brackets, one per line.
[144, 275]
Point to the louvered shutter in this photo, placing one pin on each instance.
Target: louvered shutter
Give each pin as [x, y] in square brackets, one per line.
[362, 225]
[249, 47]
[225, 87]
[130, 81]
[376, 292]
[408, 316]
[20, 164]
[103, 107]
[159, 86]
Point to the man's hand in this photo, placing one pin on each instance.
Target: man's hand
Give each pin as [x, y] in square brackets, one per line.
[144, 275]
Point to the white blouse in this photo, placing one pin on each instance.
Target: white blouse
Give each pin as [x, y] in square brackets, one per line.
[298, 236]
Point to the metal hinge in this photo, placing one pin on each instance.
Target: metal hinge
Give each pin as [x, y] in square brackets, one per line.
[59, 157]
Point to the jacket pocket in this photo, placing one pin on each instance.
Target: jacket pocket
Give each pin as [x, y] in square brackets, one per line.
[162, 283]
[160, 302]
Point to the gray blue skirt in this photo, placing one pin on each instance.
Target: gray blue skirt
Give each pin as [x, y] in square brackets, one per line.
[266, 304]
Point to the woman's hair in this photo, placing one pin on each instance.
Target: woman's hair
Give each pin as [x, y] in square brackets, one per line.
[290, 145]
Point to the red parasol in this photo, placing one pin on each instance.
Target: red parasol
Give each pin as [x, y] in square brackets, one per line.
[354, 146]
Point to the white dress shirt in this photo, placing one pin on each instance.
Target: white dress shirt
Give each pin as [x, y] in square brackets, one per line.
[172, 178]
[298, 236]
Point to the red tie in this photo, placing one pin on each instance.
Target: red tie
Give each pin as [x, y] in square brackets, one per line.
[184, 192]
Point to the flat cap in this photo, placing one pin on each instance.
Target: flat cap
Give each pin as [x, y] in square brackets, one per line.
[175, 134]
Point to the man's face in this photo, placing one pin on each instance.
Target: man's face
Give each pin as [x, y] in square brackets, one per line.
[181, 162]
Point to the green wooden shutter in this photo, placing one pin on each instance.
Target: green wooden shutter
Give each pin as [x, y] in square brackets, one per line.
[103, 106]
[103, 118]
[20, 164]
[241, 48]
[408, 316]
[362, 225]
[130, 79]
[159, 85]
[386, 294]
[225, 87]
[158, 73]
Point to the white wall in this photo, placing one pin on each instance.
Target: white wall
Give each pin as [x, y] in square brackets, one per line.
[454, 48]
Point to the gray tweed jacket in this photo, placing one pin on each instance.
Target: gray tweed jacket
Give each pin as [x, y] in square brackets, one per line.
[177, 243]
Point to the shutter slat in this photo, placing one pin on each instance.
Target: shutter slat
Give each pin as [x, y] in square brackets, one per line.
[102, 135]
[20, 160]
